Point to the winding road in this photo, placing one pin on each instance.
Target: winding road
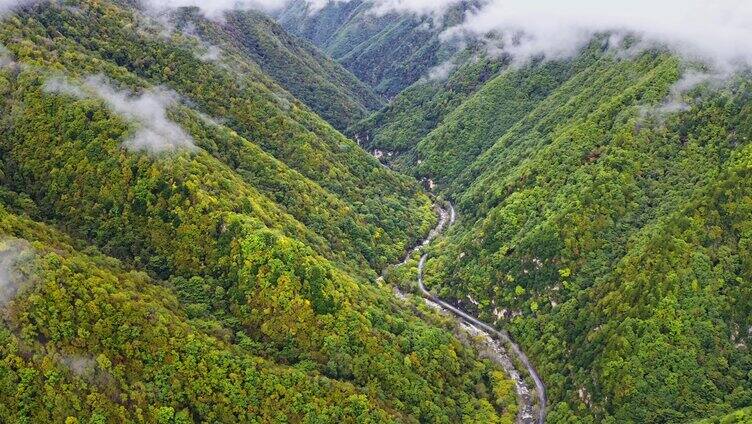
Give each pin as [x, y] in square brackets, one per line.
[495, 338]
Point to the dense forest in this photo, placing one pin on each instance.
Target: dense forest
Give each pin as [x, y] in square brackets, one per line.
[741, 416]
[603, 227]
[184, 240]
[194, 228]
[312, 77]
[389, 51]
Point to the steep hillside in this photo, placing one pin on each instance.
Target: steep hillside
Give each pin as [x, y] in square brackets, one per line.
[266, 133]
[87, 340]
[183, 241]
[606, 233]
[186, 236]
[322, 84]
[418, 110]
[445, 125]
[388, 51]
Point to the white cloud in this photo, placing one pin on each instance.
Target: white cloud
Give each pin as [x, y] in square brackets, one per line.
[60, 85]
[441, 71]
[79, 365]
[676, 101]
[215, 8]
[6, 58]
[12, 253]
[7, 5]
[155, 132]
[716, 31]
[418, 7]
[212, 54]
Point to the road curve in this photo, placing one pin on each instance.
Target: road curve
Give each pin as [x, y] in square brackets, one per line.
[526, 414]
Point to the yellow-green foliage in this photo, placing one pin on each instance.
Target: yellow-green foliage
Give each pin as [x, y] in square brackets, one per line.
[742, 416]
[611, 234]
[230, 282]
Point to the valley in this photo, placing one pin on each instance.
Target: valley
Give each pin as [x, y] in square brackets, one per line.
[496, 338]
[375, 211]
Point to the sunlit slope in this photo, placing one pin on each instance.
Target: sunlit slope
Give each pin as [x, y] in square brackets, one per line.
[606, 232]
[85, 338]
[239, 276]
[259, 119]
[600, 226]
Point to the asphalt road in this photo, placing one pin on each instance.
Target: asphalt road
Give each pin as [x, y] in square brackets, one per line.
[527, 408]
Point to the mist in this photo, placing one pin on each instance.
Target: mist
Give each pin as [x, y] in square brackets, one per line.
[675, 102]
[6, 59]
[216, 8]
[12, 254]
[155, 132]
[8, 5]
[79, 365]
[434, 8]
[60, 85]
[718, 32]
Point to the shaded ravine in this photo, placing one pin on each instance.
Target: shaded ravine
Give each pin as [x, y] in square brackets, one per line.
[495, 339]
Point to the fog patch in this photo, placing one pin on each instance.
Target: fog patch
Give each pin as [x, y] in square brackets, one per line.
[216, 8]
[441, 71]
[14, 254]
[61, 85]
[94, 371]
[10, 5]
[682, 94]
[147, 110]
[433, 8]
[207, 52]
[715, 31]
[210, 120]
[6, 58]
[156, 133]
[212, 54]
[675, 102]
[79, 365]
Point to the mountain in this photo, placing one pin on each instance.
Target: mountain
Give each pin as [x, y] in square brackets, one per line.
[186, 235]
[296, 65]
[399, 128]
[183, 240]
[604, 227]
[389, 51]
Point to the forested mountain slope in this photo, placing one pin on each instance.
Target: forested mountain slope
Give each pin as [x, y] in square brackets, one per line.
[321, 83]
[445, 125]
[182, 240]
[742, 416]
[419, 109]
[389, 51]
[608, 233]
